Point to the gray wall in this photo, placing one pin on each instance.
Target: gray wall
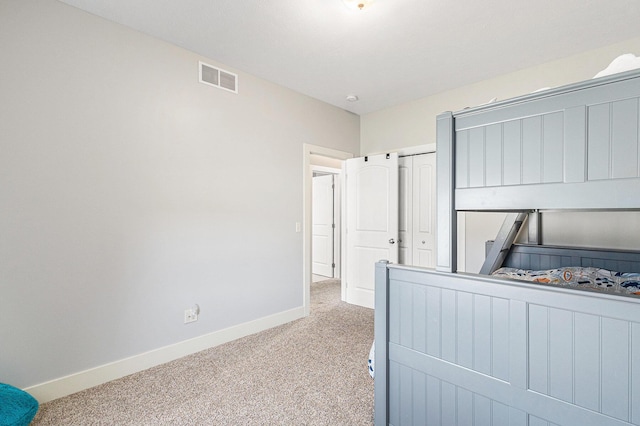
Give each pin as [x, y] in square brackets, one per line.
[129, 191]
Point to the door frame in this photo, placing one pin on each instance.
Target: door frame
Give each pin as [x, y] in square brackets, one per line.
[337, 215]
[307, 225]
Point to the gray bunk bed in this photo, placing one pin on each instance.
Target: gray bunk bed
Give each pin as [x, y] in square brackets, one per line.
[471, 349]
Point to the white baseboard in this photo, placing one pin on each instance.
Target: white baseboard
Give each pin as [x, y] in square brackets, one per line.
[76, 382]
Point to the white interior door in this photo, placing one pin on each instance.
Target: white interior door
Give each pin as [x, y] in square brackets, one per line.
[405, 211]
[371, 224]
[424, 208]
[323, 226]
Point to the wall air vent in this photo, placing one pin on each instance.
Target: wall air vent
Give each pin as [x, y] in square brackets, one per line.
[219, 78]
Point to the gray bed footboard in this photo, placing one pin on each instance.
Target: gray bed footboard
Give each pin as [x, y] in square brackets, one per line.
[457, 349]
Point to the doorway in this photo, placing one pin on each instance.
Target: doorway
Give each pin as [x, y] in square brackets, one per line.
[326, 225]
[315, 157]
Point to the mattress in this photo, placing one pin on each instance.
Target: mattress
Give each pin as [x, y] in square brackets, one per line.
[578, 277]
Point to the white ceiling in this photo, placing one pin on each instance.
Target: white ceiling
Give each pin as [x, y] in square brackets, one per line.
[394, 51]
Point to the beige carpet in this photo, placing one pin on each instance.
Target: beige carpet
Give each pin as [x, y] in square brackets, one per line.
[312, 371]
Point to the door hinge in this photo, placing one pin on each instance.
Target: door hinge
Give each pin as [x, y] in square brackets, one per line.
[333, 265]
[333, 225]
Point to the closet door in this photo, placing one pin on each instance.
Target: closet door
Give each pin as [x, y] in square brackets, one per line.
[405, 211]
[424, 208]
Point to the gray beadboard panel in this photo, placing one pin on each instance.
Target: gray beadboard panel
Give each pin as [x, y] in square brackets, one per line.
[532, 150]
[587, 361]
[523, 261]
[500, 338]
[393, 394]
[624, 139]
[499, 413]
[569, 355]
[553, 147]
[611, 264]
[462, 159]
[449, 404]
[536, 421]
[635, 374]
[532, 402]
[575, 144]
[539, 349]
[517, 417]
[406, 394]
[535, 263]
[394, 313]
[625, 266]
[464, 407]
[476, 157]
[405, 315]
[561, 354]
[520, 256]
[592, 92]
[482, 334]
[545, 262]
[433, 399]
[599, 142]
[418, 397]
[615, 368]
[517, 344]
[418, 310]
[493, 155]
[464, 329]
[512, 153]
[433, 321]
[481, 410]
[448, 311]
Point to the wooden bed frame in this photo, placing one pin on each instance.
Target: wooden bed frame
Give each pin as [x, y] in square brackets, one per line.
[457, 349]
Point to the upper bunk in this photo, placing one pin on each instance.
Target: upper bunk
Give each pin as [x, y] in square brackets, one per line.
[567, 148]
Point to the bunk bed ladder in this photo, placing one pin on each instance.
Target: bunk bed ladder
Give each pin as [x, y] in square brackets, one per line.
[505, 238]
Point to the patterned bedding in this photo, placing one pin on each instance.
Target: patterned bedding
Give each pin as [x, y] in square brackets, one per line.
[579, 277]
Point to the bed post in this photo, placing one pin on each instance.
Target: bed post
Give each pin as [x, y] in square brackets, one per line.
[381, 336]
[447, 238]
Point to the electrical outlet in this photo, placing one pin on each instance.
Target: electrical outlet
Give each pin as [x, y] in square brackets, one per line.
[190, 315]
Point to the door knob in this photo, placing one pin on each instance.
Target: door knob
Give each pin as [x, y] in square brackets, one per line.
[392, 241]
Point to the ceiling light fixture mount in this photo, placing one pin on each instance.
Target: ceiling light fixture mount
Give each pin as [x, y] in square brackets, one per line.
[356, 4]
[352, 98]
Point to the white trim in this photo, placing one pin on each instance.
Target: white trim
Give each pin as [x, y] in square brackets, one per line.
[76, 382]
[307, 184]
[412, 150]
[419, 149]
[325, 169]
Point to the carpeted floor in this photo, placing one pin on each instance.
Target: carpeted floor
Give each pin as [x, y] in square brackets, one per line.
[312, 371]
